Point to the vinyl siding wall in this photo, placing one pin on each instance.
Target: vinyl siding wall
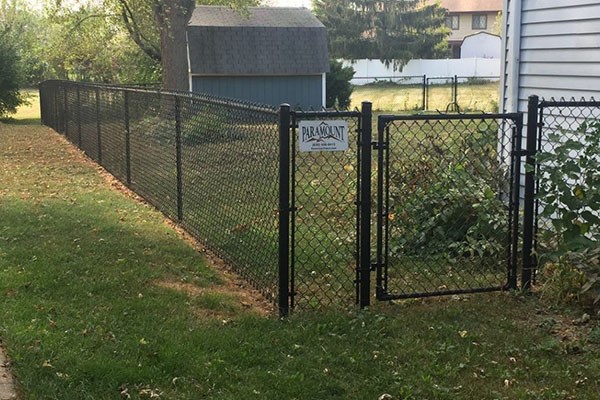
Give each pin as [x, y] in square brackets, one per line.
[558, 54]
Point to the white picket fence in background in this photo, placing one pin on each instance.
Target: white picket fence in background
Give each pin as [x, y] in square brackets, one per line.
[369, 71]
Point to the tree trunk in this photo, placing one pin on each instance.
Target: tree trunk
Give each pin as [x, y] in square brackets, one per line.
[172, 17]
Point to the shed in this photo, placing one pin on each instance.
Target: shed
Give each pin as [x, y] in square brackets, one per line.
[481, 45]
[551, 49]
[266, 55]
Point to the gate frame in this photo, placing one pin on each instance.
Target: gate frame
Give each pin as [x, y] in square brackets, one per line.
[288, 123]
[515, 153]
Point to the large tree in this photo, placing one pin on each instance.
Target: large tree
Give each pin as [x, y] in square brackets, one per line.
[163, 36]
[172, 17]
[393, 31]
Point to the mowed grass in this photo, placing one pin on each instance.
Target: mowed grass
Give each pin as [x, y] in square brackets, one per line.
[394, 97]
[101, 299]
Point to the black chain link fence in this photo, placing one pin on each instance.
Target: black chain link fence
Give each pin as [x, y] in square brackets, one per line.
[560, 135]
[448, 204]
[210, 164]
[324, 217]
[299, 224]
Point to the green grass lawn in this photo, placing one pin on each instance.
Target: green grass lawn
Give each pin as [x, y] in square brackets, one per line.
[100, 298]
[393, 97]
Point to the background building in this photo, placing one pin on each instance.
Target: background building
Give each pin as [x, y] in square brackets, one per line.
[267, 55]
[467, 17]
[481, 45]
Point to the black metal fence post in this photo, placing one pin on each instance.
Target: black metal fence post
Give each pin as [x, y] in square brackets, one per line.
[529, 195]
[424, 92]
[366, 136]
[455, 92]
[178, 159]
[380, 203]
[79, 139]
[127, 139]
[66, 113]
[43, 105]
[284, 210]
[98, 126]
[55, 120]
[517, 143]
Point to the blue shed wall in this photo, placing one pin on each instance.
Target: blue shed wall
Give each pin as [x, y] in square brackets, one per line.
[303, 90]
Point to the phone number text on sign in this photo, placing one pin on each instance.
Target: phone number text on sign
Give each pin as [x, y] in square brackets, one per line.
[328, 135]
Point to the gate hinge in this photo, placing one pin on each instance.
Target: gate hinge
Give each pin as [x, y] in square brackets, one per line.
[379, 145]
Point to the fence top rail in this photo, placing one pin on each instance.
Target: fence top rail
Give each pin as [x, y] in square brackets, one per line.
[441, 77]
[569, 103]
[439, 117]
[389, 77]
[299, 114]
[233, 103]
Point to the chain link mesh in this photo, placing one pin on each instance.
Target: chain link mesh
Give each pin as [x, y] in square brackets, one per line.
[230, 184]
[210, 163]
[325, 220]
[447, 211]
[561, 122]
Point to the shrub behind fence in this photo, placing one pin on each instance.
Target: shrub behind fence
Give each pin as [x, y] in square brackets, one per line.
[559, 133]
[208, 163]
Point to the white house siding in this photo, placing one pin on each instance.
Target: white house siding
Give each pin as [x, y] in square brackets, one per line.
[558, 54]
[551, 49]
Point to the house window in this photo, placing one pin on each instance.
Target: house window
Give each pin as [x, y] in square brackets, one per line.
[452, 22]
[479, 21]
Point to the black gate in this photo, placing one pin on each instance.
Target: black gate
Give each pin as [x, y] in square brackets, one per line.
[447, 204]
[322, 213]
[446, 190]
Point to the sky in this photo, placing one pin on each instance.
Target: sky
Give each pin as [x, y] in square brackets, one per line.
[275, 3]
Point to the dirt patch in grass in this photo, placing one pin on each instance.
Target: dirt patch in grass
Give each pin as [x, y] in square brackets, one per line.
[241, 297]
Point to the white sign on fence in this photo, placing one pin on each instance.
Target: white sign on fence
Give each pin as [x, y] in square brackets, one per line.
[327, 135]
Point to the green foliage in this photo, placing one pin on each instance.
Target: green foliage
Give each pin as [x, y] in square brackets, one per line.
[338, 87]
[450, 208]
[10, 97]
[23, 29]
[394, 31]
[569, 189]
[569, 279]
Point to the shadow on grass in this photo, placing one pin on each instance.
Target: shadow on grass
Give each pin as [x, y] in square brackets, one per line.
[21, 121]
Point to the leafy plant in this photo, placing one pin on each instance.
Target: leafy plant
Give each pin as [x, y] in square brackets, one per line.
[338, 87]
[10, 97]
[569, 189]
[450, 208]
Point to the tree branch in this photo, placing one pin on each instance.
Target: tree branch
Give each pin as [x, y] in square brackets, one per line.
[135, 33]
[82, 20]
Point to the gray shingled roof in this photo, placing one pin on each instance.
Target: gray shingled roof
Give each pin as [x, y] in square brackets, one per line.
[265, 41]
